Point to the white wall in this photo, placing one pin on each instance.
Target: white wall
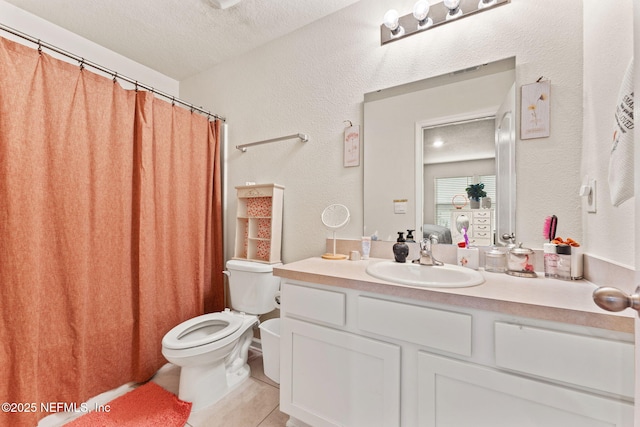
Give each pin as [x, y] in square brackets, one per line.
[608, 47]
[38, 28]
[314, 79]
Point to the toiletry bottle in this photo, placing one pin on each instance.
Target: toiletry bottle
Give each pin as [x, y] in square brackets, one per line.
[576, 263]
[564, 262]
[400, 249]
[366, 247]
[409, 238]
[550, 260]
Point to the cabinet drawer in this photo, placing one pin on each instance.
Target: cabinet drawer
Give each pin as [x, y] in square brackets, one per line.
[482, 214]
[485, 228]
[257, 191]
[582, 360]
[314, 304]
[481, 221]
[429, 327]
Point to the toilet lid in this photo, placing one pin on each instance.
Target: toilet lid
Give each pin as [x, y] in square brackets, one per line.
[201, 330]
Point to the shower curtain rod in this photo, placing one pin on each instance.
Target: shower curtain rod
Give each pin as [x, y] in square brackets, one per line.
[83, 62]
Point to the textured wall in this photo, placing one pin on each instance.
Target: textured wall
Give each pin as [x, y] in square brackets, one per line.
[606, 56]
[314, 79]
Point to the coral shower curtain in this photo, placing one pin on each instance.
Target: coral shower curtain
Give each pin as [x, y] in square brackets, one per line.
[109, 230]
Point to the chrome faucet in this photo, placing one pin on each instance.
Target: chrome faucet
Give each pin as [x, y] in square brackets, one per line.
[426, 256]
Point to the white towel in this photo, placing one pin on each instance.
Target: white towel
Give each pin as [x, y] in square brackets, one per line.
[621, 159]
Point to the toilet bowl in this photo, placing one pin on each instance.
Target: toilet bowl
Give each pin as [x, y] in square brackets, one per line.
[212, 349]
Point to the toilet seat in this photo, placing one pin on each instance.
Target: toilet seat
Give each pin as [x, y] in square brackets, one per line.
[202, 330]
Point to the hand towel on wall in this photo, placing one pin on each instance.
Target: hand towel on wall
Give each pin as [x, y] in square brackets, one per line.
[621, 159]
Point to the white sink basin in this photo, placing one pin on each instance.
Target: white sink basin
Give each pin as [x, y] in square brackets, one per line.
[442, 276]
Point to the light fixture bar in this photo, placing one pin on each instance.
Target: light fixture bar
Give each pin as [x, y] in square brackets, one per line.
[438, 14]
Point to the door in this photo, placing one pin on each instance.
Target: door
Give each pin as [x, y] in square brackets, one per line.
[456, 393]
[636, 299]
[636, 79]
[332, 378]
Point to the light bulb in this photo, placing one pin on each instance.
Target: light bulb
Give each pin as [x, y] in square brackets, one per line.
[391, 20]
[421, 13]
[486, 3]
[454, 9]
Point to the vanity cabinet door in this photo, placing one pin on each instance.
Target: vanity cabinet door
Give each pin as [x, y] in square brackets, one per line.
[334, 378]
[453, 393]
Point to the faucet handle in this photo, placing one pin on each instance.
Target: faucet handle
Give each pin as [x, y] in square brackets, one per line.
[424, 244]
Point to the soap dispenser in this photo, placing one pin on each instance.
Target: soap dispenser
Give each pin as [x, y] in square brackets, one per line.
[400, 248]
[410, 236]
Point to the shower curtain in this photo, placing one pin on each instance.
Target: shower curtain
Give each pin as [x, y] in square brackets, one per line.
[110, 230]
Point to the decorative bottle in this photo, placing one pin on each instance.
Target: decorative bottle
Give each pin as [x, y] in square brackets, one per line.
[400, 248]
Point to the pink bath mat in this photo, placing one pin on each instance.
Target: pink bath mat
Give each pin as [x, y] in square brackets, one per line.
[146, 406]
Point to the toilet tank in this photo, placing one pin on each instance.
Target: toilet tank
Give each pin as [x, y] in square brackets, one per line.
[252, 286]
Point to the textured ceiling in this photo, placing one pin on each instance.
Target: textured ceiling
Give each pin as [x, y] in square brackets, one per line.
[180, 38]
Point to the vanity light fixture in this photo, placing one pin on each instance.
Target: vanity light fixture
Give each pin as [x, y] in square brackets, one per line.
[426, 16]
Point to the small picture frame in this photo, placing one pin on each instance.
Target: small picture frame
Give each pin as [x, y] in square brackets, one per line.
[534, 111]
[352, 146]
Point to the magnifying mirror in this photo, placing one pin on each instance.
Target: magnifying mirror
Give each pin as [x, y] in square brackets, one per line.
[335, 217]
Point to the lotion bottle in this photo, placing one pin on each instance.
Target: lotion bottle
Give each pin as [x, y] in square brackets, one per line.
[400, 248]
[366, 247]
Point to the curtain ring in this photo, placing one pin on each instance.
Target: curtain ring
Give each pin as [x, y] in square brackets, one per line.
[115, 77]
[136, 85]
[173, 101]
[82, 64]
[39, 47]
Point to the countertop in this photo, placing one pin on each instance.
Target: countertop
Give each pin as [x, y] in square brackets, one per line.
[538, 298]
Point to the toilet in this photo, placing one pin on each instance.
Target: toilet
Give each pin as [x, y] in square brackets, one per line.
[212, 349]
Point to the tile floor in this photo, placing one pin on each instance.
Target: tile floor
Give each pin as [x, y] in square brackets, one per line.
[254, 403]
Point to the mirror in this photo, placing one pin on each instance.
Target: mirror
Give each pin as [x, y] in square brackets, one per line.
[399, 172]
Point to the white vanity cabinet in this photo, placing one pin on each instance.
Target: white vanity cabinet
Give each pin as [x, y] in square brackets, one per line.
[332, 377]
[356, 358]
